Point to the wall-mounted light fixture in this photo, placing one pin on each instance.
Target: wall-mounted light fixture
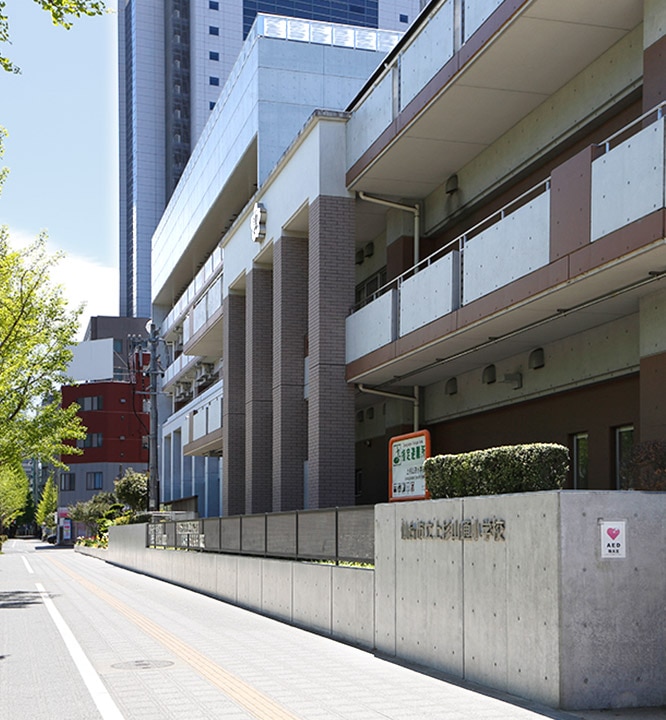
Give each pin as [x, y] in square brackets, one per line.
[452, 185]
[489, 375]
[451, 387]
[537, 359]
[369, 249]
[359, 257]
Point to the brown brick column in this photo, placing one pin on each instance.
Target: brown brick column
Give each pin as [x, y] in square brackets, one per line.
[331, 399]
[654, 53]
[259, 391]
[290, 410]
[233, 406]
[653, 367]
[571, 204]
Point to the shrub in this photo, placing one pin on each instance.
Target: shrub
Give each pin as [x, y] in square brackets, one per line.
[646, 467]
[508, 469]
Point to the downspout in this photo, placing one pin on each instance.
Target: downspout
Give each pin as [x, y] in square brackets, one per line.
[414, 209]
[396, 396]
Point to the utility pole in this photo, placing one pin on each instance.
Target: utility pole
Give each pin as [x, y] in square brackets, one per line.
[153, 478]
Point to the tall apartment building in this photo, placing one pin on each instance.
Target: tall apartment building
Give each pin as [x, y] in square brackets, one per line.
[476, 244]
[174, 58]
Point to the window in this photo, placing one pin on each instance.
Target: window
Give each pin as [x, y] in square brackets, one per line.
[94, 481]
[67, 482]
[212, 55]
[95, 402]
[404, 18]
[211, 104]
[213, 5]
[580, 443]
[118, 346]
[213, 30]
[213, 80]
[91, 440]
[624, 442]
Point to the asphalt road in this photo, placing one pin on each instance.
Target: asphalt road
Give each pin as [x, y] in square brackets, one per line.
[81, 639]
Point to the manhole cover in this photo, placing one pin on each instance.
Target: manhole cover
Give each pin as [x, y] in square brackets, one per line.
[142, 665]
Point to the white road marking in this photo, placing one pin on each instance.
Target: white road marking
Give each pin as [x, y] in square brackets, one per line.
[100, 695]
[27, 565]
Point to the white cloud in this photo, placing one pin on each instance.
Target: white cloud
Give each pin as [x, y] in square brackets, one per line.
[85, 281]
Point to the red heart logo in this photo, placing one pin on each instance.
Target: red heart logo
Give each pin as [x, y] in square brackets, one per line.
[613, 532]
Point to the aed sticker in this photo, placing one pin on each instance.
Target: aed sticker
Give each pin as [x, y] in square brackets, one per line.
[613, 538]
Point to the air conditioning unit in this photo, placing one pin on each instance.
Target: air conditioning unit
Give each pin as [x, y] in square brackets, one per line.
[204, 373]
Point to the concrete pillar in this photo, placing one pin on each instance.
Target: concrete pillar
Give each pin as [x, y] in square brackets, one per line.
[233, 405]
[653, 367]
[330, 398]
[290, 409]
[259, 391]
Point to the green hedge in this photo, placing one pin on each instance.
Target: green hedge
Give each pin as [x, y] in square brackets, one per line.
[508, 469]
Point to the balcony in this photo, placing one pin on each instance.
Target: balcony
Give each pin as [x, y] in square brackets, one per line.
[489, 60]
[571, 253]
[211, 269]
[205, 423]
[202, 329]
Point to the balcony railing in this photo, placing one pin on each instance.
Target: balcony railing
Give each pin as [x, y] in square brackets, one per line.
[627, 184]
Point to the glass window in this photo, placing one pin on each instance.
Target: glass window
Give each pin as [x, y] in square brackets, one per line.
[624, 442]
[91, 440]
[212, 55]
[213, 5]
[117, 345]
[213, 30]
[404, 18]
[580, 447]
[67, 482]
[95, 402]
[211, 105]
[94, 480]
[214, 80]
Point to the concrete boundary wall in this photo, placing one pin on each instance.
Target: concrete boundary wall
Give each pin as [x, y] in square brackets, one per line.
[559, 597]
[332, 600]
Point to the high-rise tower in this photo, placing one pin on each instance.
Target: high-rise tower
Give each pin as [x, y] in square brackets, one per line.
[174, 58]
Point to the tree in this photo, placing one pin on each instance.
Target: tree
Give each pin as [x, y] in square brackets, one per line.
[27, 516]
[13, 489]
[95, 512]
[36, 334]
[132, 490]
[48, 505]
[62, 12]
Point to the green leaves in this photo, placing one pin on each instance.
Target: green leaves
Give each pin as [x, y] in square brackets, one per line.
[36, 335]
[13, 491]
[48, 505]
[508, 469]
[132, 490]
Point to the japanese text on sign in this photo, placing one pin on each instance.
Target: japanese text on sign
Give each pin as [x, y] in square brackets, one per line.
[406, 456]
[468, 529]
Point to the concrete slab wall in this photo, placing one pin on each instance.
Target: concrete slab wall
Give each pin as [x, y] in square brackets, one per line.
[613, 622]
[335, 601]
[509, 591]
[516, 596]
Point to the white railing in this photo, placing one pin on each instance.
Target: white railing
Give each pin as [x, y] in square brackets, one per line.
[213, 266]
[421, 55]
[628, 183]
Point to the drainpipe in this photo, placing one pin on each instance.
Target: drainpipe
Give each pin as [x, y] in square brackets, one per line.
[396, 396]
[414, 209]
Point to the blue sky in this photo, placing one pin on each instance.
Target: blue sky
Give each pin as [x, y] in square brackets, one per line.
[62, 149]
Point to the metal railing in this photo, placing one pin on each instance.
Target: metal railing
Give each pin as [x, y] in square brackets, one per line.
[336, 534]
